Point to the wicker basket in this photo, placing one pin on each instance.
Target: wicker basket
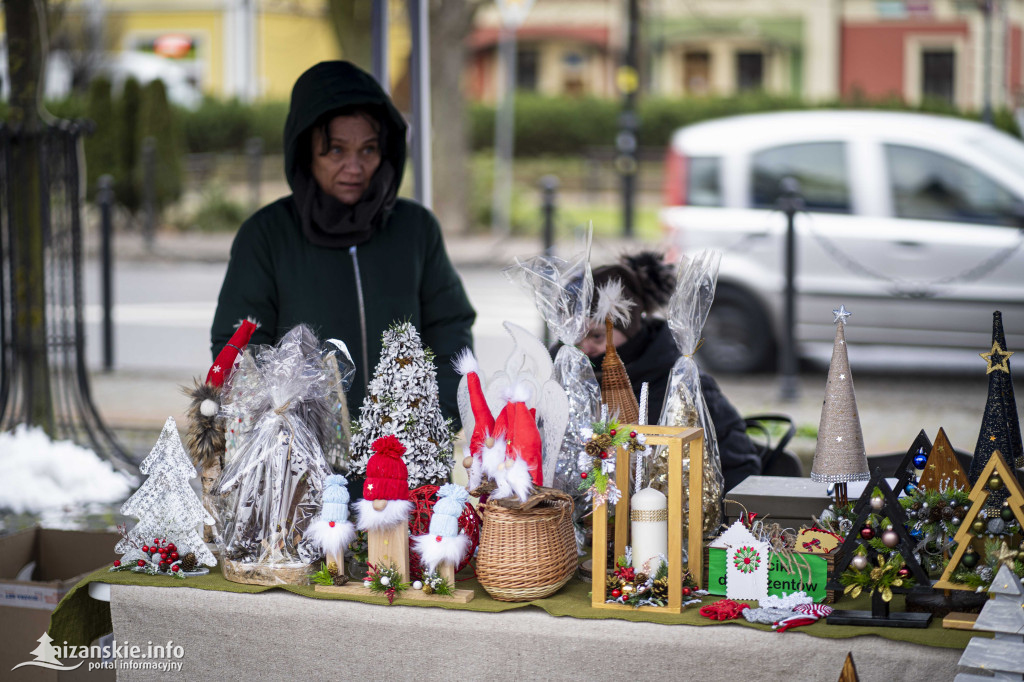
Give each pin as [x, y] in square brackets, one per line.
[616, 389]
[263, 574]
[525, 553]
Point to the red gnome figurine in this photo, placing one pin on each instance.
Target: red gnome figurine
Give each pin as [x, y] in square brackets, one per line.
[385, 507]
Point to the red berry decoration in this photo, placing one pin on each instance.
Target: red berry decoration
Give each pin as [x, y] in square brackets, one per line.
[612, 433]
[604, 455]
[632, 434]
[174, 568]
[156, 541]
[145, 548]
[583, 475]
[904, 572]
[172, 547]
[867, 532]
[142, 562]
[616, 593]
[174, 556]
[117, 562]
[686, 591]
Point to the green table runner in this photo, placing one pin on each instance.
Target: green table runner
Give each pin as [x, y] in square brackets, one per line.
[79, 619]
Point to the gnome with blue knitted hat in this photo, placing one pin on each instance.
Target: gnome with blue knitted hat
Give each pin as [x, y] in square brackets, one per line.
[331, 531]
[444, 547]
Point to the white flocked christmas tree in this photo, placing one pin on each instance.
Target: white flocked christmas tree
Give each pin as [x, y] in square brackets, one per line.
[165, 504]
[403, 400]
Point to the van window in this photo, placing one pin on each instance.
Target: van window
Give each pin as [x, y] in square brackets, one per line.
[702, 185]
[820, 167]
[931, 186]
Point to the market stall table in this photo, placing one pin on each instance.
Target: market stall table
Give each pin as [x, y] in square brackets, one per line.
[229, 631]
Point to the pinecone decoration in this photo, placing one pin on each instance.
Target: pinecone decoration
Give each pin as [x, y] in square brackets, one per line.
[659, 590]
[611, 583]
[188, 562]
[641, 578]
[337, 576]
[427, 589]
[948, 513]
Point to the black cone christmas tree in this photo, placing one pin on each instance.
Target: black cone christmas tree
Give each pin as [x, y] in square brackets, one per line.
[1000, 426]
[913, 461]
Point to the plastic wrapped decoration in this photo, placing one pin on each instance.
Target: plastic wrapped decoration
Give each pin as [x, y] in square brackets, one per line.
[241, 398]
[342, 369]
[270, 492]
[562, 291]
[684, 401]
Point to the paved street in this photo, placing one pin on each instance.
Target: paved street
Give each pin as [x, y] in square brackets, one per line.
[165, 304]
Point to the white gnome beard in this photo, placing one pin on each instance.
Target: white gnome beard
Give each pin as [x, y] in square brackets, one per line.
[450, 550]
[331, 540]
[396, 511]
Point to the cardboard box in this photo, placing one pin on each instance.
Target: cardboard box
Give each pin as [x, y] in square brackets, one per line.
[786, 500]
[61, 559]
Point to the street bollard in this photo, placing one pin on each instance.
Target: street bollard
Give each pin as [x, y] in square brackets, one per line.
[105, 201]
[790, 202]
[254, 155]
[149, 191]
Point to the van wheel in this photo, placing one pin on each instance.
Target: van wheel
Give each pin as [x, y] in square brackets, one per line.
[737, 336]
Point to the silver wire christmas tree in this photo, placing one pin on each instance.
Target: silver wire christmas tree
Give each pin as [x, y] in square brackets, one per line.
[403, 400]
[165, 504]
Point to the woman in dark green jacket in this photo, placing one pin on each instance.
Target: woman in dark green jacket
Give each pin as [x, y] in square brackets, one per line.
[342, 253]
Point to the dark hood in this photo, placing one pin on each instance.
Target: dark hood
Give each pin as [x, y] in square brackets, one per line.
[333, 85]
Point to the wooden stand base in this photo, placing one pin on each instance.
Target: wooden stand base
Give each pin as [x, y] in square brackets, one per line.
[879, 615]
[957, 620]
[459, 596]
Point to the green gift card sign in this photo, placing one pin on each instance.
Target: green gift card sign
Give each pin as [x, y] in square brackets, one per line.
[814, 572]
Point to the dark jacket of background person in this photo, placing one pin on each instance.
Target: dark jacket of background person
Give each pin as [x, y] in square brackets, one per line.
[648, 356]
[401, 273]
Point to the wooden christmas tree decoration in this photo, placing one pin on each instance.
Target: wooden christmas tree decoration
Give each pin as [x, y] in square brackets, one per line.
[917, 454]
[849, 671]
[943, 468]
[996, 477]
[857, 553]
[839, 455]
[1003, 654]
[675, 439]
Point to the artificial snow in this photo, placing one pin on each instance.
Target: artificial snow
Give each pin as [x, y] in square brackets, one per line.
[40, 474]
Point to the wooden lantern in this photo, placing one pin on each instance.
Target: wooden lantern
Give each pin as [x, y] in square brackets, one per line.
[675, 439]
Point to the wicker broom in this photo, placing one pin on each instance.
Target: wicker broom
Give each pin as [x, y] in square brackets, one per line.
[616, 390]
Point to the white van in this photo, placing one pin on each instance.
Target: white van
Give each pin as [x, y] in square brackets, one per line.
[912, 221]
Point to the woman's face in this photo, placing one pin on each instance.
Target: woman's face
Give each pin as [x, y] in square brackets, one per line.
[595, 342]
[352, 157]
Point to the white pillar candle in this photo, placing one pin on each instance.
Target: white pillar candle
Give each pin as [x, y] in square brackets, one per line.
[648, 514]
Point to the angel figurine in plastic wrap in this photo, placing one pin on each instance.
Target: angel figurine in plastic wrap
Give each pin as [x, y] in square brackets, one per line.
[562, 291]
[271, 490]
[684, 401]
[517, 450]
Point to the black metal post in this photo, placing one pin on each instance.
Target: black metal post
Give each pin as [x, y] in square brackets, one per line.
[790, 202]
[549, 188]
[254, 156]
[105, 200]
[149, 191]
[986, 56]
[625, 141]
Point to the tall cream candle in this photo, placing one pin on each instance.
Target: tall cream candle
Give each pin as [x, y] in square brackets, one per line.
[648, 515]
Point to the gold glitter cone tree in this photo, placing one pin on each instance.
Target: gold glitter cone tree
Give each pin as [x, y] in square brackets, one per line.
[616, 389]
[839, 455]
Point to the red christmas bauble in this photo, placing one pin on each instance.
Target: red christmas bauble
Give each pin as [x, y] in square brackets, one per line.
[904, 572]
[604, 455]
[686, 591]
[117, 562]
[156, 541]
[174, 568]
[616, 594]
[583, 475]
[174, 556]
[163, 551]
[632, 434]
[612, 433]
[145, 548]
[423, 499]
[172, 547]
[142, 562]
[867, 532]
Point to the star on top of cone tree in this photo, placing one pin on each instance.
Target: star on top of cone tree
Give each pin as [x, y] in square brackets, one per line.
[839, 455]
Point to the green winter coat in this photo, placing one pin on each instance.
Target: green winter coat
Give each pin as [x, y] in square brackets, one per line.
[277, 276]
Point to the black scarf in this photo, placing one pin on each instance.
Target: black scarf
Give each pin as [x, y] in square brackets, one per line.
[329, 223]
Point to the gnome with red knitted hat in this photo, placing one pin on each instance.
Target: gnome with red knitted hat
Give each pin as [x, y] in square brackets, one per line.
[205, 439]
[483, 421]
[385, 508]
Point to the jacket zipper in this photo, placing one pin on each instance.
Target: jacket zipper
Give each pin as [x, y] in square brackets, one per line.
[362, 320]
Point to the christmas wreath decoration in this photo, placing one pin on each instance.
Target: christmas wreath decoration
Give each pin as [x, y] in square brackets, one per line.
[746, 560]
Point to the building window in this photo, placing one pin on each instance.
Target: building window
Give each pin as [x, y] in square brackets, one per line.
[938, 71]
[526, 69]
[697, 73]
[749, 71]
